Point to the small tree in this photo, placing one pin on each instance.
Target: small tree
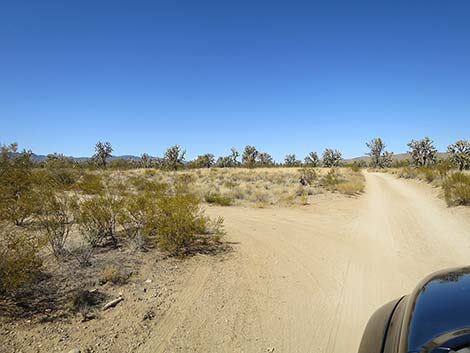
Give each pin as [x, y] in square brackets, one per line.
[234, 155]
[312, 160]
[379, 157]
[387, 159]
[204, 161]
[291, 161]
[250, 156]
[173, 158]
[460, 154]
[265, 159]
[103, 151]
[145, 160]
[422, 152]
[331, 158]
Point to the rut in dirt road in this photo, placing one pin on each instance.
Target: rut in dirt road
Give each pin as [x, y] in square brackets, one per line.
[306, 280]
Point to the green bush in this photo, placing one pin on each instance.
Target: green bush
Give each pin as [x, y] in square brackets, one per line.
[178, 222]
[218, 199]
[19, 259]
[457, 189]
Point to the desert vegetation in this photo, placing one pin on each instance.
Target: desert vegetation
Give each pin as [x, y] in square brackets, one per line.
[72, 228]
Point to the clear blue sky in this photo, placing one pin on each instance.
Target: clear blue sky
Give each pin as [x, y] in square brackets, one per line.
[285, 76]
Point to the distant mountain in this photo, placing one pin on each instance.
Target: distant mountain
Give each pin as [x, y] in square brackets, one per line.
[40, 157]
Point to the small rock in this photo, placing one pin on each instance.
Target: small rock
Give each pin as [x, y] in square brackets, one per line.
[148, 281]
[270, 350]
[76, 350]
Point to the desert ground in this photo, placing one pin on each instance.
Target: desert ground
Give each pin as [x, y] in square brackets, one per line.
[307, 280]
[297, 279]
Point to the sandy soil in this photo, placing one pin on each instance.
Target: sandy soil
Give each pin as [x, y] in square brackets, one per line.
[306, 280]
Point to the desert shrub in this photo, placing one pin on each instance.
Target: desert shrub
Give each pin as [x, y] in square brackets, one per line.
[136, 216]
[97, 218]
[19, 258]
[308, 175]
[112, 274]
[428, 173]
[354, 168]
[457, 189]
[331, 179]
[142, 184]
[91, 184]
[17, 195]
[84, 301]
[443, 168]
[56, 217]
[218, 199]
[178, 222]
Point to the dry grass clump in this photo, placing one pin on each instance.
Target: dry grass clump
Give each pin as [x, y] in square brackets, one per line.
[457, 189]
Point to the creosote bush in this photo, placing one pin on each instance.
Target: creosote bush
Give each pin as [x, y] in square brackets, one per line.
[97, 218]
[91, 184]
[457, 189]
[19, 258]
[56, 216]
[218, 199]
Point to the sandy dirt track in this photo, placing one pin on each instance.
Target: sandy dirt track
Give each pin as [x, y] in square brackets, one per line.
[306, 280]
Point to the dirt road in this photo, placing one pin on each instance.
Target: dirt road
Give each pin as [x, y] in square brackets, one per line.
[306, 280]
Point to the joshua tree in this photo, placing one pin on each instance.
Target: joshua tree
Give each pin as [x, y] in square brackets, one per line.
[379, 157]
[174, 157]
[250, 156]
[204, 161]
[265, 159]
[312, 160]
[331, 158]
[291, 161]
[103, 151]
[422, 152]
[234, 155]
[145, 160]
[460, 154]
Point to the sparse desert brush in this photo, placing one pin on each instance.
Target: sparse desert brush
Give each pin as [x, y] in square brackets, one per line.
[19, 257]
[457, 189]
[218, 199]
[112, 274]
